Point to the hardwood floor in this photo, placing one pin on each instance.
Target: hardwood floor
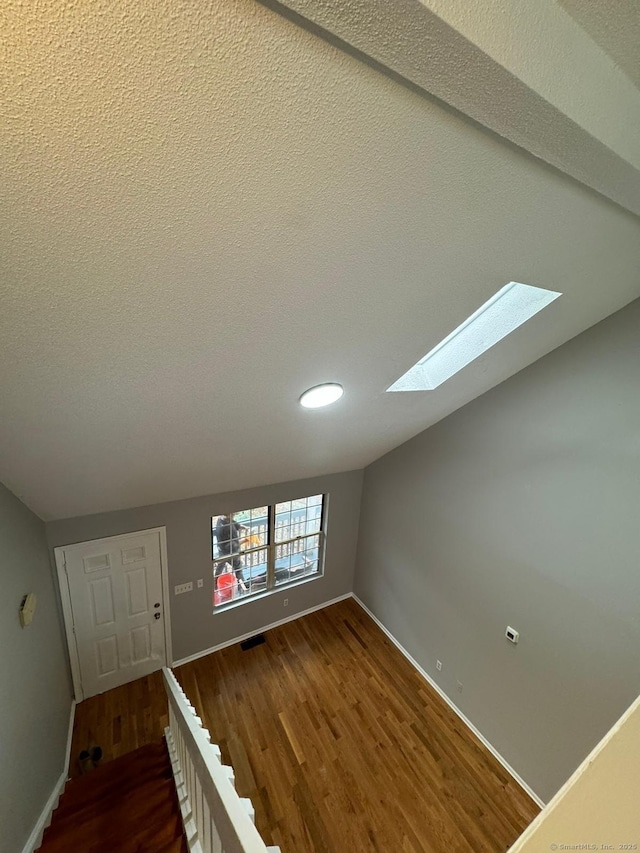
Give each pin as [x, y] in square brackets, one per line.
[339, 742]
[130, 806]
[342, 745]
[120, 720]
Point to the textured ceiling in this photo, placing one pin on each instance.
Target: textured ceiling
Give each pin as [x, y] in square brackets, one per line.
[615, 26]
[526, 71]
[206, 210]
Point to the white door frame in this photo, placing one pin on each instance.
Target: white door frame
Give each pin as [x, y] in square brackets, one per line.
[65, 595]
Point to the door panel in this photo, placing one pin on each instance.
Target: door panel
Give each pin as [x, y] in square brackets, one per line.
[115, 588]
[140, 644]
[137, 601]
[96, 563]
[102, 600]
[107, 655]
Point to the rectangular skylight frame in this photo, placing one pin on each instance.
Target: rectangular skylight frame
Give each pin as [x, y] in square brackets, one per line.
[501, 315]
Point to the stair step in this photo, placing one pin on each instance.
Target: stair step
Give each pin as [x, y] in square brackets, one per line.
[125, 771]
[115, 822]
[121, 765]
[179, 845]
[153, 839]
[129, 805]
[149, 752]
[99, 786]
[121, 810]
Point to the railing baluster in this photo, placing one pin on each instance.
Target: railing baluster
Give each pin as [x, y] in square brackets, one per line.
[205, 837]
[215, 818]
[197, 806]
[216, 843]
[192, 782]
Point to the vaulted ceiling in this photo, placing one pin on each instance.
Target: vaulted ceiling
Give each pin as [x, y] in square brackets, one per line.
[614, 26]
[207, 209]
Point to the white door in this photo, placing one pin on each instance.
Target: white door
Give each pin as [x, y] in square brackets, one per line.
[117, 609]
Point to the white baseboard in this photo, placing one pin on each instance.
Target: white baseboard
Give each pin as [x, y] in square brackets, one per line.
[401, 648]
[453, 707]
[239, 639]
[67, 756]
[35, 839]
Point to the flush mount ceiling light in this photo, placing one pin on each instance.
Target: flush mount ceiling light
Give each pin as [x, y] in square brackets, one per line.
[509, 308]
[321, 395]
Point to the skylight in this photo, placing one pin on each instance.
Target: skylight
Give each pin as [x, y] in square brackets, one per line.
[509, 308]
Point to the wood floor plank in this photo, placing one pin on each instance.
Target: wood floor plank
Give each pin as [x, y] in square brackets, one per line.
[129, 806]
[120, 720]
[355, 750]
[338, 741]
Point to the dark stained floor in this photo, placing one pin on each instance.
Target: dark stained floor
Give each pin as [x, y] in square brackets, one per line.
[120, 720]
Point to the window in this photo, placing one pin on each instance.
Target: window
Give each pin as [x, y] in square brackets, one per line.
[501, 315]
[266, 548]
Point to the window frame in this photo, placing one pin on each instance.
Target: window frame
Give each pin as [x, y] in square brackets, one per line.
[271, 546]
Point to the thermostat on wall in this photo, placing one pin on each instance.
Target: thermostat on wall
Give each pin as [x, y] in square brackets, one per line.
[27, 609]
[512, 635]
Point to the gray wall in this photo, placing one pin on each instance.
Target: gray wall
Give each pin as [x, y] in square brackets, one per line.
[35, 688]
[522, 508]
[193, 625]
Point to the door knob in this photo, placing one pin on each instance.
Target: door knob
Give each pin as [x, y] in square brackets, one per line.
[157, 604]
[156, 615]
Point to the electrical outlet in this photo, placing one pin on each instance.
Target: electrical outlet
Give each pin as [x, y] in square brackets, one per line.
[183, 587]
[512, 635]
[286, 602]
[200, 583]
[439, 665]
[459, 683]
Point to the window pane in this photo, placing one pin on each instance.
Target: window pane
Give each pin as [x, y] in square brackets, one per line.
[302, 519]
[310, 561]
[283, 526]
[225, 538]
[225, 584]
[297, 559]
[255, 571]
[314, 518]
[235, 532]
[237, 577]
[283, 570]
[257, 533]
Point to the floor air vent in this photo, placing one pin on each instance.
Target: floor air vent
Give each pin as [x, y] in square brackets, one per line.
[258, 640]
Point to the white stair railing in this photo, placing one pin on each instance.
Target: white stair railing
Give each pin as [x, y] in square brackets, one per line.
[215, 818]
